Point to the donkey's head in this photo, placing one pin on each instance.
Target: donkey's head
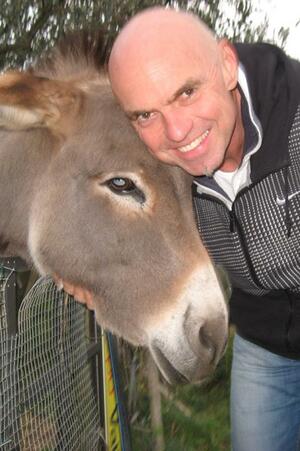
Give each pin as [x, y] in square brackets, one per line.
[107, 216]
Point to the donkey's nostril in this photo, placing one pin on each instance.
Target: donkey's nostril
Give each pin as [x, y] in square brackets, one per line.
[206, 336]
[207, 344]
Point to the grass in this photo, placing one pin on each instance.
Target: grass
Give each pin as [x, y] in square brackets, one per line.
[204, 424]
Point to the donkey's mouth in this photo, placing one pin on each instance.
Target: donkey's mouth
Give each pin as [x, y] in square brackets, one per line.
[168, 370]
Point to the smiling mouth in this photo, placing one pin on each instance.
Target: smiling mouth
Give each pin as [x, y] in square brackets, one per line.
[194, 143]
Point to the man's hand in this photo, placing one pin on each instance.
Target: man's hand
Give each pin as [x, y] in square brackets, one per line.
[80, 294]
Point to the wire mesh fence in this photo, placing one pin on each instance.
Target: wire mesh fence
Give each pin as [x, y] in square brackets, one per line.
[48, 395]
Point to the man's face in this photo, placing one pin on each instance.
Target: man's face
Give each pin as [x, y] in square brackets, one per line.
[183, 106]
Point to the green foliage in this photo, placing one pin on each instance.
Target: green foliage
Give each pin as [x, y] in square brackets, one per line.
[196, 418]
[27, 27]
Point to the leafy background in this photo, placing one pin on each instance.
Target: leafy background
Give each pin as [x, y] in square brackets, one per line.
[192, 418]
[28, 27]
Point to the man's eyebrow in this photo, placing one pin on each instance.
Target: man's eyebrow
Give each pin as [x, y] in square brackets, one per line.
[188, 84]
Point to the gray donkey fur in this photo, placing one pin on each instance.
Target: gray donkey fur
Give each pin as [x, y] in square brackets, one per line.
[82, 198]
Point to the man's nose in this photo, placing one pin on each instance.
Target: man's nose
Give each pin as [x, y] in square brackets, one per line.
[177, 125]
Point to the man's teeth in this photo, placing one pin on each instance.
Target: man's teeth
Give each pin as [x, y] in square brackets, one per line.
[194, 143]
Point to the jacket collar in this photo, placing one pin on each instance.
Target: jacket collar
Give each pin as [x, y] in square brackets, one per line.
[272, 83]
[252, 140]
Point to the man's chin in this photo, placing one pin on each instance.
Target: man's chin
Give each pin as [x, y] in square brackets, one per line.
[194, 168]
[197, 171]
[209, 172]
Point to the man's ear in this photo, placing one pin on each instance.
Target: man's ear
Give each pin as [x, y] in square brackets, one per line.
[229, 63]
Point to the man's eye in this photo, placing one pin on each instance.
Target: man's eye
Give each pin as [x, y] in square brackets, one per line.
[188, 92]
[143, 117]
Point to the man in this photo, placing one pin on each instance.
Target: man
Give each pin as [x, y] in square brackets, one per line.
[230, 116]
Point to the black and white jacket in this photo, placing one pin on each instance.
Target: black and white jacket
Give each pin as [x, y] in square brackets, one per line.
[257, 236]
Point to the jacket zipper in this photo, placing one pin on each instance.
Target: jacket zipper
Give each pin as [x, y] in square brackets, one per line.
[232, 219]
[234, 227]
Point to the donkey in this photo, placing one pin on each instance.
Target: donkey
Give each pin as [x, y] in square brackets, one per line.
[82, 198]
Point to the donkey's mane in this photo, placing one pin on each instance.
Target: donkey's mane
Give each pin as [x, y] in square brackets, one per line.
[80, 54]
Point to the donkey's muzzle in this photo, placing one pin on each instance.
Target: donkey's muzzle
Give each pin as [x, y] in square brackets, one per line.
[207, 339]
[188, 342]
[194, 354]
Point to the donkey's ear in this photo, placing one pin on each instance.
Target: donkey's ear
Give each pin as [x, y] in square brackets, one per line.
[28, 101]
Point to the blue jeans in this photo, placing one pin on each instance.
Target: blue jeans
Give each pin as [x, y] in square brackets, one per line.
[265, 400]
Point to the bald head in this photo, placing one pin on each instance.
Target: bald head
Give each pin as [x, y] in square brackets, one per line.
[161, 25]
[178, 86]
[152, 35]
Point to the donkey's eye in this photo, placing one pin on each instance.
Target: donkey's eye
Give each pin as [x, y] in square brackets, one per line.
[125, 186]
[121, 185]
